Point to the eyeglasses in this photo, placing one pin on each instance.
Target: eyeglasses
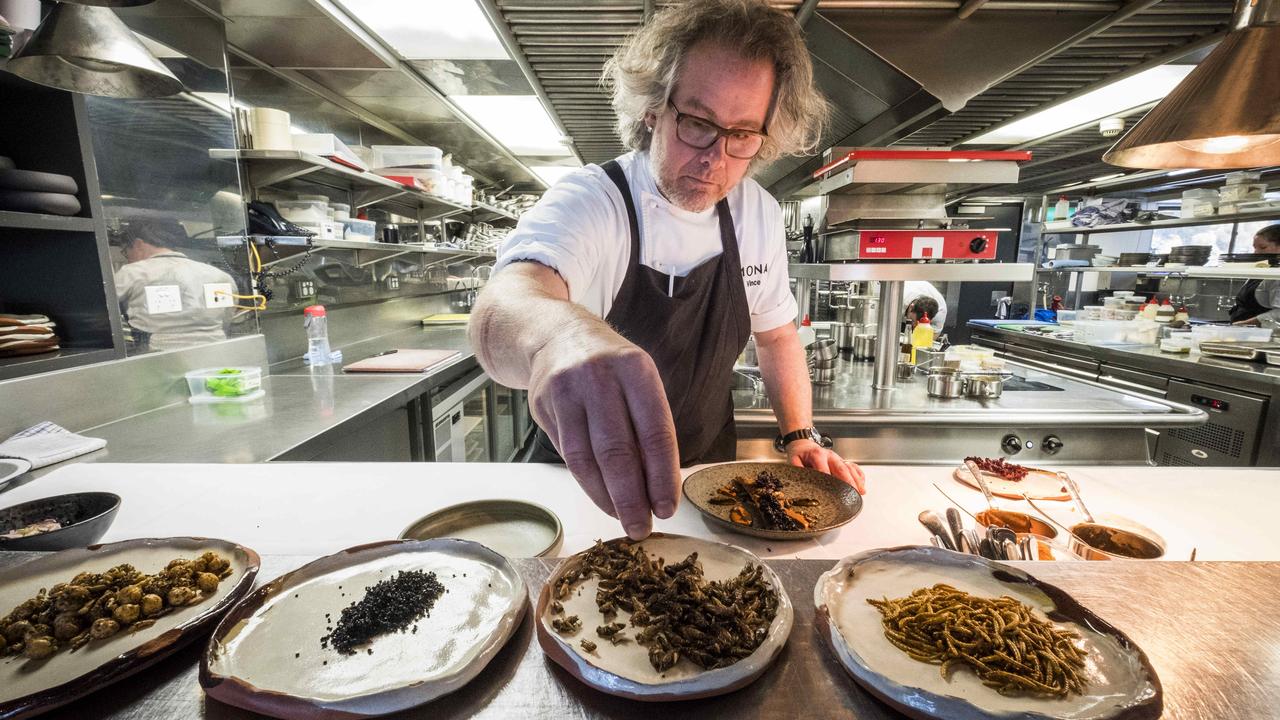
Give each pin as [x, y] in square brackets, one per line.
[700, 133]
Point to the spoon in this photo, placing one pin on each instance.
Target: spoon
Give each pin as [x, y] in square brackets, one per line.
[1045, 515]
[1002, 539]
[953, 502]
[1074, 489]
[971, 539]
[956, 525]
[982, 482]
[1024, 548]
[930, 520]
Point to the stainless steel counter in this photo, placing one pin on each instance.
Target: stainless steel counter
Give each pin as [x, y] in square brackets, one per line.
[1226, 669]
[851, 400]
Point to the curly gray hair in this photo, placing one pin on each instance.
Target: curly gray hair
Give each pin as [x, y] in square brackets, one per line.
[644, 71]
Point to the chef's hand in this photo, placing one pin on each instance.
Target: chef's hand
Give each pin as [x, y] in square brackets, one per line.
[600, 400]
[807, 453]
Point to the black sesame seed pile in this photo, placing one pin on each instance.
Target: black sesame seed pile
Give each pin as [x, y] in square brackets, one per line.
[387, 606]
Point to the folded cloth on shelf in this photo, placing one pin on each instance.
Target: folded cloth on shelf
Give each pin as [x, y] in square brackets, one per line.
[10, 319]
[47, 443]
[11, 331]
[1064, 263]
[27, 338]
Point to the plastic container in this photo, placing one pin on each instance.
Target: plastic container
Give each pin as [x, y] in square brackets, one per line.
[1125, 315]
[341, 211]
[1243, 177]
[317, 325]
[269, 129]
[407, 156]
[225, 384]
[1228, 333]
[921, 336]
[1242, 193]
[304, 212]
[1066, 316]
[359, 230]
[1199, 202]
[807, 333]
[1090, 312]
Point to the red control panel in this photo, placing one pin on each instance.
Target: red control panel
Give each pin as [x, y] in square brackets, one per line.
[927, 244]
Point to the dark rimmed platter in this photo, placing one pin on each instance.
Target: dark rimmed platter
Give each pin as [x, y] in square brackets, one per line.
[837, 501]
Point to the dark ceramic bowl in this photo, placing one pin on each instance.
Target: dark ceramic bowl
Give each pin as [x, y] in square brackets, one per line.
[85, 518]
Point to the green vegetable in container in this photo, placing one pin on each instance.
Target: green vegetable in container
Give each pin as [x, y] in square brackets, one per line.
[226, 383]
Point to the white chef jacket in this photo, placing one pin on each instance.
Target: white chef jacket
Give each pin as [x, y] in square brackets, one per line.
[193, 323]
[913, 289]
[580, 229]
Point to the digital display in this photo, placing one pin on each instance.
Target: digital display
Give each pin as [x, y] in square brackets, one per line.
[878, 239]
[1211, 403]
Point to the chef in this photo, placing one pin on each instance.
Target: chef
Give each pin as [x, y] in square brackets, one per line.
[163, 292]
[1258, 302]
[924, 299]
[622, 299]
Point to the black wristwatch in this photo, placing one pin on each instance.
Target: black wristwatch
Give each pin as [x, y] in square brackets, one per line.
[781, 442]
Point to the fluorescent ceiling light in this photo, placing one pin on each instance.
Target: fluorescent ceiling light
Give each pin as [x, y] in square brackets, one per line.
[519, 122]
[551, 174]
[1145, 87]
[431, 29]
[1104, 178]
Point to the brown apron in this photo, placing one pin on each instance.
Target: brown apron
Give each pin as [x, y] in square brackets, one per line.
[694, 336]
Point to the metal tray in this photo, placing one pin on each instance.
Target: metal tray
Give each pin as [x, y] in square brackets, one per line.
[1241, 350]
[513, 528]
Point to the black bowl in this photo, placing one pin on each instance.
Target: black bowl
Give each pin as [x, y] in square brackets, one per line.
[85, 518]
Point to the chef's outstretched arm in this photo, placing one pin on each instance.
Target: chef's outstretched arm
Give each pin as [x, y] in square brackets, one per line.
[786, 376]
[598, 397]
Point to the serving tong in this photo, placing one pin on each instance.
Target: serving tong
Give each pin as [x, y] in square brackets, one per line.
[997, 544]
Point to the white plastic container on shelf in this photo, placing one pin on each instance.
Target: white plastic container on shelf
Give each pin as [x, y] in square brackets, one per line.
[304, 212]
[341, 212]
[355, 229]
[1233, 194]
[467, 191]
[1199, 202]
[407, 156]
[225, 385]
[1091, 312]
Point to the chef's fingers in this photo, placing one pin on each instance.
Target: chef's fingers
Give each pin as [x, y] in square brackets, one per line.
[656, 435]
[573, 441]
[819, 460]
[859, 477]
[614, 444]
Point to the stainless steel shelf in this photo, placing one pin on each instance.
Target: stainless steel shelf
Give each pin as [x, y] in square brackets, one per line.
[37, 221]
[22, 365]
[384, 251]
[279, 168]
[1049, 229]
[933, 272]
[482, 212]
[1189, 271]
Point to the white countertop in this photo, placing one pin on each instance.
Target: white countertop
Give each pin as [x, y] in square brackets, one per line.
[319, 508]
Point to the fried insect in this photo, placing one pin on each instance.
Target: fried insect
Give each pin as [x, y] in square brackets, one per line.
[1006, 645]
[566, 625]
[676, 611]
[96, 606]
[760, 502]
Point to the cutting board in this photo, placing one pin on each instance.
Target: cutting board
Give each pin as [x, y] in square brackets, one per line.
[403, 361]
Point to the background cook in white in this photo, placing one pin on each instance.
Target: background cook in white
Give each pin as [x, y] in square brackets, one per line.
[579, 228]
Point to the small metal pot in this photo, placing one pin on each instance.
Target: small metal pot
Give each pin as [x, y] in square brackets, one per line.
[822, 350]
[864, 347]
[842, 333]
[945, 383]
[984, 386]
[822, 375]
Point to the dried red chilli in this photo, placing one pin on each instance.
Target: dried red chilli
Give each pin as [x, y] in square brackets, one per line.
[391, 605]
[1000, 468]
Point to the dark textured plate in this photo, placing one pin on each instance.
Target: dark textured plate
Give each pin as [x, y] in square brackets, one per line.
[513, 528]
[85, 518]
[266, 655]
[838, 502]
[28, 689]
[624, 669]
[1122, 683]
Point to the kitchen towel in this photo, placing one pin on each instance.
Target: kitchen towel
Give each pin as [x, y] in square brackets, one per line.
[47, 443]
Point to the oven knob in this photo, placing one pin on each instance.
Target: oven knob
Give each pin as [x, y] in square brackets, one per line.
[1011, 444]
[1051, 444]
[978, 245]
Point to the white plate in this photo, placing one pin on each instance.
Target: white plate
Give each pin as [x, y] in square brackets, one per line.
[11, 469]
[266, 655]
[1122, 683]
[27, 689]
[624, 669]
